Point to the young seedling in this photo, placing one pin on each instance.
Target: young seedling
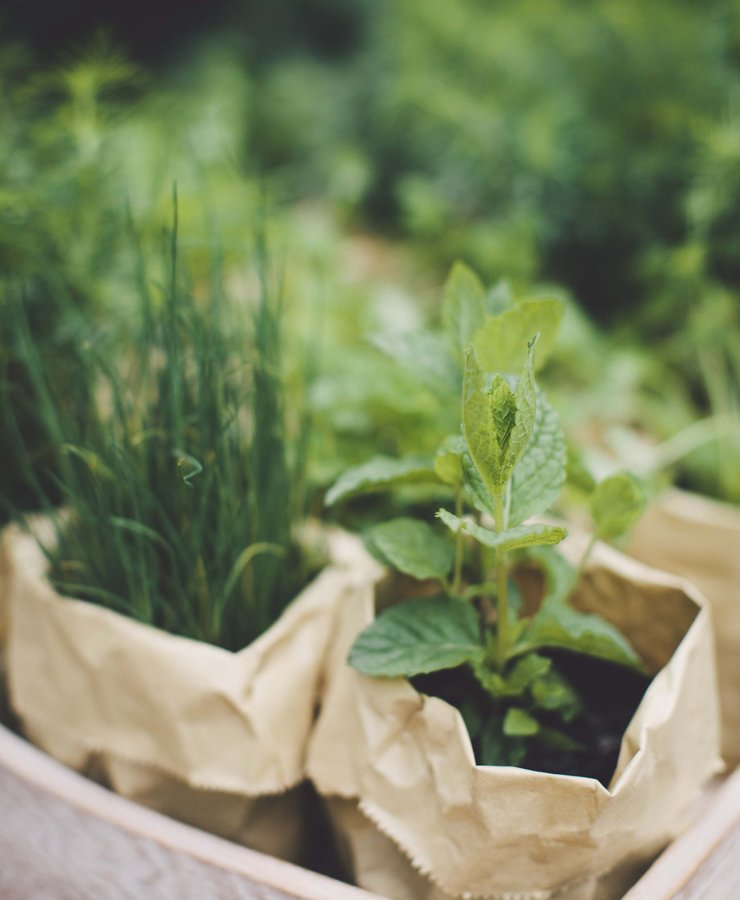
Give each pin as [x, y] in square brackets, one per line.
[506, 466]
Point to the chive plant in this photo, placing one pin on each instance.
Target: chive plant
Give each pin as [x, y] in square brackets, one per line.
[180, 490]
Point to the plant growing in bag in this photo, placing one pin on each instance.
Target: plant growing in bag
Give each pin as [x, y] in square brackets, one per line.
[493, 632]
[181, 499]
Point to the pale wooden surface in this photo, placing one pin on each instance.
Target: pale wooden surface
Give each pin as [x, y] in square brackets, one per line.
[704, 863]
[64, 838]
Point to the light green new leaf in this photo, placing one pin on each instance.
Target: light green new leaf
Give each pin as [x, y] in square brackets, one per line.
[616, 504]
[475, 488]
[526, 408]
[540, 473]
[478, 425]
[511, 539]
[462, 307]
[500, 344]
[559, 625]
[559, 574]
[381, 473]
[413, 548]
[519, 723]
[418, 636]
[448, 460]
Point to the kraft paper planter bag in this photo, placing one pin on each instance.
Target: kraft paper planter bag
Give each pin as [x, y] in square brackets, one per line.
[418, 819]
[699, 539]
[215, 738]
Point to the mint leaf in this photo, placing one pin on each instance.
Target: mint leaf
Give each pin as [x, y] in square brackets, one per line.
[478, 425]
[500, 344]
[519, 723]
[526, 406]
[540, 473]
[511, 539]
[418, 636]
[616, 504]
[414, 548]
[448, 460]
[381, 473]
[558, 625]
[475, 488]
[462, 307]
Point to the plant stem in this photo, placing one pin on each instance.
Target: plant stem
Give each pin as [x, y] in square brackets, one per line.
[457, 576]
[502, 596]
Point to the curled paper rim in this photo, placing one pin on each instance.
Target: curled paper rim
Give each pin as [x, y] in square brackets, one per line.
[280, 756]
[375, 797]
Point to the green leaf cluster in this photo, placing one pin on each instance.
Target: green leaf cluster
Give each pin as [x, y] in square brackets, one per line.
[505, 466]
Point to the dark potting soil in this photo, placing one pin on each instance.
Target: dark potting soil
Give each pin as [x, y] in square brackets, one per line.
[610, 694]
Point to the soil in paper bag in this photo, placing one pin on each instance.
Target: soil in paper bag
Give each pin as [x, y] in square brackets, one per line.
[610, 695]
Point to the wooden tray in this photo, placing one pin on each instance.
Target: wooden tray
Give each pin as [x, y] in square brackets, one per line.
[62, 837]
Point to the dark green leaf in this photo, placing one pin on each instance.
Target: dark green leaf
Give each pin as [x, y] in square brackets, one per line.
[418, 636]
[498, 749]
[559, 625]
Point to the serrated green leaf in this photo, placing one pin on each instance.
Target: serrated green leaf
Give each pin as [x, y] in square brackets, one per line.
[526, 408]
[558, 625]
[427, 355]
[539, 476]
[418, 636]
[503, 412]
[462, 307]
[511, 539]
[616, 504]
[501, 343]
[519, 723]
[448, 460]
[475, 488]
[381, 473]
[478, 425]
[414, 548]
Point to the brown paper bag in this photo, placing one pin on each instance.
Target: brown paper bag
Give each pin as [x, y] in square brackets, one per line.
[212, 737]
[404, 762]
[699, 539]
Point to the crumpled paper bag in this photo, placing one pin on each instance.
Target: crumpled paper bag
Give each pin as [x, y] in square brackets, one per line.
[212, 737]
[699, 539]
[402, 761]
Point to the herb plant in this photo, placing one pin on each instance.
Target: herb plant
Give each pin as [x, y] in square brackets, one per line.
[502, 657]
[181, 493]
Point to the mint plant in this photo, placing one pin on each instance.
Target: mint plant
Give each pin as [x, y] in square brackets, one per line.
[502, 657]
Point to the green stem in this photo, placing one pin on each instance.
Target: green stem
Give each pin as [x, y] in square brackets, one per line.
[583, 562]
[502, 595]
[459, 546]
